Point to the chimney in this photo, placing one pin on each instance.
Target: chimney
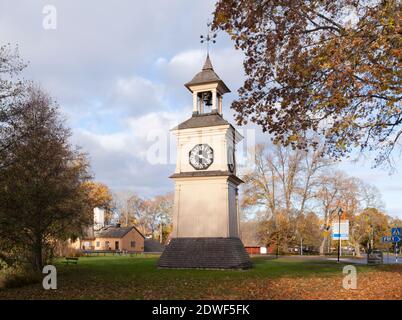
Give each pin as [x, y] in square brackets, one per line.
[118, 225]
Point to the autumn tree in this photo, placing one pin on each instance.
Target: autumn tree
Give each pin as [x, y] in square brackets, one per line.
[369, 226]
[296, 196]
[353, 196]
[148, 215]
[329, 67]
[42, 198]
[282, 178]
[12, 92]
[156, 213]
[278, 231]
[308, 230]
[329, 195]
[281, 186]
[131, 211]
[164, 213]
[99, 195]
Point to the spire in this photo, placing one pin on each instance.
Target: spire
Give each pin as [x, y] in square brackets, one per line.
[206, 75]
[207, 64]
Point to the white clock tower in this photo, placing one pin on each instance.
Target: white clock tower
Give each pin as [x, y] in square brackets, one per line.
[205, 216]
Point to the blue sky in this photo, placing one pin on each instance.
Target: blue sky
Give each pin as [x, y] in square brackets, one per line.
[117, 70]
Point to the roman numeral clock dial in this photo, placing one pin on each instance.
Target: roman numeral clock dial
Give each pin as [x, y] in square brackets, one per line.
[201, 156]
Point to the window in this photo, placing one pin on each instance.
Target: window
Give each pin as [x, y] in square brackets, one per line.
[97, 244]
[132, 244]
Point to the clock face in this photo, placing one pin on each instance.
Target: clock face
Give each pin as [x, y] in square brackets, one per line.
[201, 156]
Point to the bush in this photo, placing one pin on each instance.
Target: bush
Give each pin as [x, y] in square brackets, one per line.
[15, 277]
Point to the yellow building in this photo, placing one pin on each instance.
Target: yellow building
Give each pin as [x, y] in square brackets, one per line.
[113, 238]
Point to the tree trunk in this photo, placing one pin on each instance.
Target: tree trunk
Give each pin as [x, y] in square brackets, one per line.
[38, 256]
[357, 250]
[322, 246]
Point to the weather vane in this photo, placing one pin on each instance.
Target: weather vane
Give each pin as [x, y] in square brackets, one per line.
[209, 37]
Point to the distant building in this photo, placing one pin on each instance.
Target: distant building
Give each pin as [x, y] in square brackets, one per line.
[249, 236]
[99, 218]
[113, 238]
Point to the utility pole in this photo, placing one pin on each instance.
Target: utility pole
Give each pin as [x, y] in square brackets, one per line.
[340, 211]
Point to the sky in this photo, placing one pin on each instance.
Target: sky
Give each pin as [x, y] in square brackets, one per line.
[117, 70]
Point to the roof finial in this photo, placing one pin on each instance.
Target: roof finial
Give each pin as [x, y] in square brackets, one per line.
[209, 37]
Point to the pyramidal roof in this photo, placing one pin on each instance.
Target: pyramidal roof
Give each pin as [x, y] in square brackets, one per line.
[207, 64]
[206, 75]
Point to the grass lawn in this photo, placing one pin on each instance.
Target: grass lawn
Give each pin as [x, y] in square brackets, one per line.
[124, 277]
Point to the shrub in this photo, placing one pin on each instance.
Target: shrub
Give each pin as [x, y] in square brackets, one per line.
[15, 277]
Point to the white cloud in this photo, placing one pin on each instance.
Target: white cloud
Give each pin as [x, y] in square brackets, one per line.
[184, 65]
[122, 159]
[137, 95]
[118, 69]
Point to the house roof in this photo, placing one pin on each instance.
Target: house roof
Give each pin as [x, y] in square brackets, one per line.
[206, 75]
[115, 232]
[203, 120]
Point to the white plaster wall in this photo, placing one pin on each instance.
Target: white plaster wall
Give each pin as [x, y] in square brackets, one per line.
[233, 213]
[202, 206]
[219, 138]
[205, 206]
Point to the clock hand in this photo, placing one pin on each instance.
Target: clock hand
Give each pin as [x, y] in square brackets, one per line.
[198, 159]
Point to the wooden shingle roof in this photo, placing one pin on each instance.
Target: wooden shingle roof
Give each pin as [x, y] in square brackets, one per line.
[203, 120]
[115, 232]
[206, 75]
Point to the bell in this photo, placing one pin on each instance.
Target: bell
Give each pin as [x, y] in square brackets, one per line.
[207, 98]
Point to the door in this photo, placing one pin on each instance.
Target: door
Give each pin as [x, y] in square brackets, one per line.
[116, 245]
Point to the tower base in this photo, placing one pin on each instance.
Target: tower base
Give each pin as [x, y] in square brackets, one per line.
[205, 253]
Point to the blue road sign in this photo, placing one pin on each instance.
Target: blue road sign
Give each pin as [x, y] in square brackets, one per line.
[396, 239]
[396, 231]
[386, 239]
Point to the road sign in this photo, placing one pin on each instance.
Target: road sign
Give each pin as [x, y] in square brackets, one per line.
[343, 228]
[396, 231]
[396, 239]
[386, 239]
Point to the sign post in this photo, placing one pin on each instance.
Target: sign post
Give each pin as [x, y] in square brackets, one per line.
[340, 231]
[396, 232]
[396, 252]
[395, 238]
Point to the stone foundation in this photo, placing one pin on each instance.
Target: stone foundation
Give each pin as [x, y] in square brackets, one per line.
[205, 253]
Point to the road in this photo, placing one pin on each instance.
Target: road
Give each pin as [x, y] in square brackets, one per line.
[387, 259]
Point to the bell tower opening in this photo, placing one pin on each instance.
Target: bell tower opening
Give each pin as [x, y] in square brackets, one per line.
[207, 89]
[205, 102]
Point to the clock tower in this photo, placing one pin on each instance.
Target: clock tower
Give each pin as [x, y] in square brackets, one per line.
[205, 214]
